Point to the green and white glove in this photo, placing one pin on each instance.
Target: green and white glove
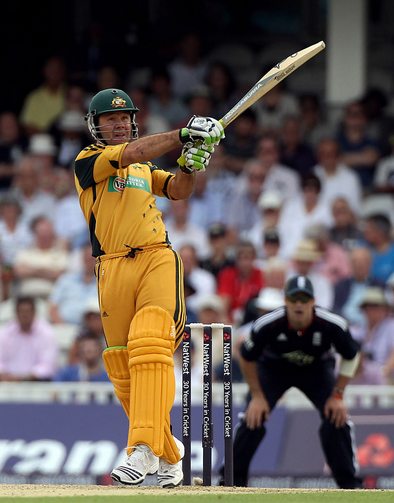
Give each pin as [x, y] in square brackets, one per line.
[204, 129]
[195, 158]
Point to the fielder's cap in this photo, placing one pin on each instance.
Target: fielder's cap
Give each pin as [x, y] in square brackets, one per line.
[373, 296]
[299, 284]
[217, 230]
[269, 200]
[42, 144]
[306, 251]
[269, 299]
[213, 301]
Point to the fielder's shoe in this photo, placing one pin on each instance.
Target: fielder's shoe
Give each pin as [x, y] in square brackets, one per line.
[140, 463]
[171, 475]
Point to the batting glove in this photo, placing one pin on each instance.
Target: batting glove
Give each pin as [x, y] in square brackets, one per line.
[203, 129]
[195, 158]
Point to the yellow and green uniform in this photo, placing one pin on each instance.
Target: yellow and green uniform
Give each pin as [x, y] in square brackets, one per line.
[136, 266]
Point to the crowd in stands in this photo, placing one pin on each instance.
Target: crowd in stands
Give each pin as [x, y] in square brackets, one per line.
[288, 191]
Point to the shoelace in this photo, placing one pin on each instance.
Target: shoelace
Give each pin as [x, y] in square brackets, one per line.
[140, 454]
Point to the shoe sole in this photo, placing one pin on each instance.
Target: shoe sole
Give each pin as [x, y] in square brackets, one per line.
[171, 485]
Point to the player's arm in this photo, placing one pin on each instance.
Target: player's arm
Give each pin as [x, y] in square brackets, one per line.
[205, 130]
[258, 408]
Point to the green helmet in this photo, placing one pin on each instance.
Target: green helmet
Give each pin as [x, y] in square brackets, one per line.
[110, 100]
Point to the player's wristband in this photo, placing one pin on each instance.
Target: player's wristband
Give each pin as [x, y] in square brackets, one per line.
[338, 393]
[186, 170]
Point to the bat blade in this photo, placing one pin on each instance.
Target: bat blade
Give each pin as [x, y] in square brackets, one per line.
[279, 72]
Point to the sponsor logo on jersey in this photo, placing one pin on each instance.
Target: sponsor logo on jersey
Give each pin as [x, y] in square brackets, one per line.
[299, 358]
[119, 184]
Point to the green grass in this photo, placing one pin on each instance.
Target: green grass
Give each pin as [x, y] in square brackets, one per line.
[264, 497]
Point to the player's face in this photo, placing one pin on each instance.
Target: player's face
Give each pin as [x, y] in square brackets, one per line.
[299, 309]
[115, 127]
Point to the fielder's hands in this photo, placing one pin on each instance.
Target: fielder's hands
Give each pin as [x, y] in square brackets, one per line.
[203, 129]
[195, 158]
[257, 412]
[335, 411]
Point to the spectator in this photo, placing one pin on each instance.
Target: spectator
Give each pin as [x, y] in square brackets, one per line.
[294, 152]
[313, 123]
[181, 231]
[242, 208]
[202, 281]
[359, 151]
[380, 123]
[69, 222]
[27, 190]
[304, 260]
[335, 177]
[301, 212]
[188, 69]
[219, 256]
[349, 291]
[43, 105]
[384, 174]
[377, 233]
[71, 137]
[70, 291]
[12, 146]
[162, 102]
[334, 261]
[345, 229]
[240, 282]
[278, 177]
[221, 82]
[37, 268]
[28, 350]
[90, 366]
[241, 139]
[377, 341]
[274, 107]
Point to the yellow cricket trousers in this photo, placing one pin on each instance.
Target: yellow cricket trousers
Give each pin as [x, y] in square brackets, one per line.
[153, 277]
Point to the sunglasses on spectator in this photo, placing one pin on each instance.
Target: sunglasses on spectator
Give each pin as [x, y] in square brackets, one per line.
[299, 297]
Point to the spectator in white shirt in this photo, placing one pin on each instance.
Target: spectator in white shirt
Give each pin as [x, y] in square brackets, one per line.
[336, 178]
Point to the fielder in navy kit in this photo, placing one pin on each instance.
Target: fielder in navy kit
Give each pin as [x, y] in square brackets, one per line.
[294, 346]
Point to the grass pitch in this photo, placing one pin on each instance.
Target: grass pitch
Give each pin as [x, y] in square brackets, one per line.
[110, 494]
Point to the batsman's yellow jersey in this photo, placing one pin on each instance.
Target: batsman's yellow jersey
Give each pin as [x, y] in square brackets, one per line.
[118, 202]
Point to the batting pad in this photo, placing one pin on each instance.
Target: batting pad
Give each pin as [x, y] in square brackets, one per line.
[116, 363]
[152, 383]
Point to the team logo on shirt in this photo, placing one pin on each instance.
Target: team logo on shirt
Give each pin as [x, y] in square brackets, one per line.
[118, 102]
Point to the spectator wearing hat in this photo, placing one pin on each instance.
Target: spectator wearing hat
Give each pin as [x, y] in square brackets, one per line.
[376, 338]
[71, 137]
[304, 259]
[70, 291]
[303, 211]
[28, 349]
[90, 366]
[220, 255]
[28, 191]
[377, 231]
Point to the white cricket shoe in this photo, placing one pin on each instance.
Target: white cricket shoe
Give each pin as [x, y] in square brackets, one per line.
[170, 475]
[140, 463]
